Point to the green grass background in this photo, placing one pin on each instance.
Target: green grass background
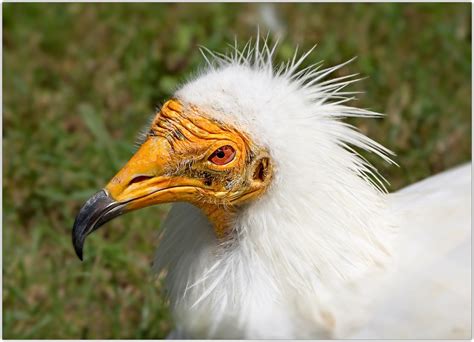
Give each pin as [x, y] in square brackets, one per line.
[80, 80]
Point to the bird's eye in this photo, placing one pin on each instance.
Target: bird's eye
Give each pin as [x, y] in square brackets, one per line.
[223, 155]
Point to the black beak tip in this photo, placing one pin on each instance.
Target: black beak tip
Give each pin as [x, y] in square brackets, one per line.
[79, 254]
[78, 242]
[98, 209]
[78, 248]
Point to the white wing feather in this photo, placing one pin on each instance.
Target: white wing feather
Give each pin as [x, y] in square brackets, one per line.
[429, 295]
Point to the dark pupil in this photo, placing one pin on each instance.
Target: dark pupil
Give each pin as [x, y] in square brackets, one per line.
[220, 154]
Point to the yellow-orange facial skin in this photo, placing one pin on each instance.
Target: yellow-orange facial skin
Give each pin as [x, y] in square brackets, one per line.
[178, 162]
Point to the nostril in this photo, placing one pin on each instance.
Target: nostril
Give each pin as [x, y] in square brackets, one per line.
[260, 172]
[138, 179]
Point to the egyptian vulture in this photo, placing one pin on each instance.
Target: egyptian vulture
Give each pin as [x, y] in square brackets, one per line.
[280, 229]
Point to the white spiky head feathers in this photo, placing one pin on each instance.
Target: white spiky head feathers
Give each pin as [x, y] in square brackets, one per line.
[322, 223]
[281, 105]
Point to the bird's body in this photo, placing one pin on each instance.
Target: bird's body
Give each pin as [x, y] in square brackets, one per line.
[428, 296]
[313, 247]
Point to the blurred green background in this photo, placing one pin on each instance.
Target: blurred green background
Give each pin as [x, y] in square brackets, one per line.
[80, 80]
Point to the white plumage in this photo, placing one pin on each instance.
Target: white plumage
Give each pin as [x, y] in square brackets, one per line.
[325, 252]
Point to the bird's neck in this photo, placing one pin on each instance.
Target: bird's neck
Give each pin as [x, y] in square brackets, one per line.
[276, 258]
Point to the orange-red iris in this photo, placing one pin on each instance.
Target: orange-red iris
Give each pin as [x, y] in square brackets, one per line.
[222, 155]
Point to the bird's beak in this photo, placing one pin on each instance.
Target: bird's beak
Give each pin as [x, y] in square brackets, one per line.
[142, 182]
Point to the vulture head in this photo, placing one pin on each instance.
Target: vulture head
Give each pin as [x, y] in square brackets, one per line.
[188, 156]
[277, 212]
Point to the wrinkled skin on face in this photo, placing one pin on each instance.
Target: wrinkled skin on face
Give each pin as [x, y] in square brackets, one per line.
[186, 156]
[174, 164]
